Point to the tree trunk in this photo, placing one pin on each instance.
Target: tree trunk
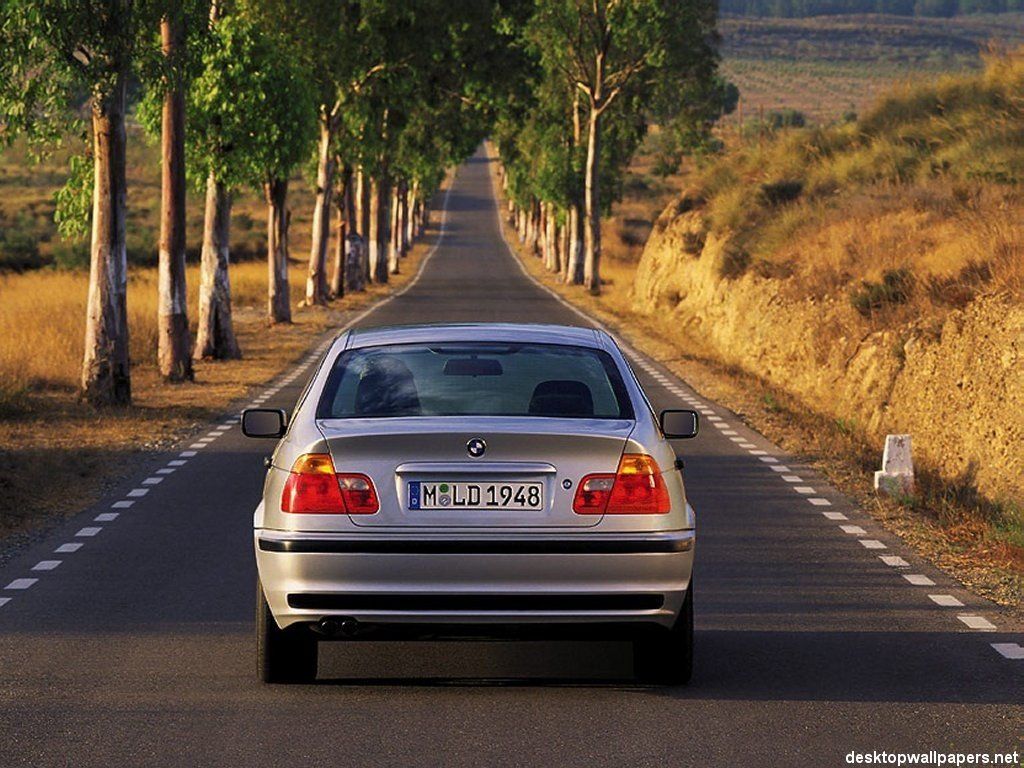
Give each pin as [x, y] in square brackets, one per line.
[563, 252]
[373, 231]
[174, 346]
[278, 300]
[106, 376]
[316, 278]
[394, 229]
[215, 337]
[592, 196]
[410, 214]
[574, 267]
[343, 205]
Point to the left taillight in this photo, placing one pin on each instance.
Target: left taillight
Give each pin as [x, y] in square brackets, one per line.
[314, 487]
[637, 488]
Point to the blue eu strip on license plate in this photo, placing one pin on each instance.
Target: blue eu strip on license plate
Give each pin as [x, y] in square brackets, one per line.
[414, 495]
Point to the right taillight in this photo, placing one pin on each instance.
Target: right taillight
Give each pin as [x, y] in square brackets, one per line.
[637, 488]
[313, 487]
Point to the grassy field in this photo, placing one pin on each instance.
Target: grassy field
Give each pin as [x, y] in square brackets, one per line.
[829, 66]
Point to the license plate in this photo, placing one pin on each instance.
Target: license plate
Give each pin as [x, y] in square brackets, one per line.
[519, 496]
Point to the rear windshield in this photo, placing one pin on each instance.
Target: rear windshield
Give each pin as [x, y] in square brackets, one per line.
[475, 379]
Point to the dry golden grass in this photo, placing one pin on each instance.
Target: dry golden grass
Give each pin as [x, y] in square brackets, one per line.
[42, 320]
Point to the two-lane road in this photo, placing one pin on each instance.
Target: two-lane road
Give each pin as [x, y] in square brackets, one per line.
[126, 637]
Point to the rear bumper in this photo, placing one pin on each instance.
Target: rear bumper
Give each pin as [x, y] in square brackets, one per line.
[508, 580]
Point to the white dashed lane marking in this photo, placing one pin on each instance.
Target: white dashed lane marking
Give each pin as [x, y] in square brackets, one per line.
[46, 565]
[792, 478]
[872, 544]
[919, 579]
[91, 530]
[835, 516]
[853, 530]
[152, 481]
[187, 454]
[779, 468]
[768, 459]
[138, 493]
[122, 505]
[977, 622]
[65, 549]
[177, 463]
[21, 583]
[166, 471]
[106, 517]
[196, 447]
[1009, 650]
[804, 489]
[820, 502]
[946, 601]
[894, 561]
[4, 601]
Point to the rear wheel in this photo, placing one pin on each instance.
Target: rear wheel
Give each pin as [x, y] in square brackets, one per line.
[665, 656]
[282, 655]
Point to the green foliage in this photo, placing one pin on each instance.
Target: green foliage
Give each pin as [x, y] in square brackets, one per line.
[250, 108]
[74, 199]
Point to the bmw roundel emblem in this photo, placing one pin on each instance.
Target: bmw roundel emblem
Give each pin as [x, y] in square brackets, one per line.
[476, 447]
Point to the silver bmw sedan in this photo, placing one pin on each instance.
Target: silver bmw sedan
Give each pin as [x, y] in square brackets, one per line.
[474, 480]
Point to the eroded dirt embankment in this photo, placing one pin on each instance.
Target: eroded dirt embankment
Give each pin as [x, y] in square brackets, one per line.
[955, 383]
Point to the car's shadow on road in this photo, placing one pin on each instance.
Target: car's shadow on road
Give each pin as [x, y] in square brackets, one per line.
[730, 665]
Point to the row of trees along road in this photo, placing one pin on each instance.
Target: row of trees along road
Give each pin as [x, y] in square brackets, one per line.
[600, 72]
[375, 98]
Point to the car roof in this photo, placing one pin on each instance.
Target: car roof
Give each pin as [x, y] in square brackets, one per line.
[501, 332]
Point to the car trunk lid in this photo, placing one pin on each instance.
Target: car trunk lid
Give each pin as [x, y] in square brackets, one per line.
[416, 462]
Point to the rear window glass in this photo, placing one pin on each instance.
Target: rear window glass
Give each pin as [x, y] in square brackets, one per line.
[475, 379]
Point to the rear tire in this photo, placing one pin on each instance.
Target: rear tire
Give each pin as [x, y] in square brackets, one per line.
[665, 656]
[282, 655]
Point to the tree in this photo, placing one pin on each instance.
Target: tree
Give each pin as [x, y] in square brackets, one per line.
[55, 51]
[277, 103]
[614, 52]
[174, 346]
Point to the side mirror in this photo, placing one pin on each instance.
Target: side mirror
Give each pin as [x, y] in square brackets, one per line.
[264, 422]
[680, 424]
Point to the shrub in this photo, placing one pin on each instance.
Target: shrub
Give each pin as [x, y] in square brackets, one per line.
[734, 263]
[896, 287]
[72, 255]
[19, 251]
[780, 192]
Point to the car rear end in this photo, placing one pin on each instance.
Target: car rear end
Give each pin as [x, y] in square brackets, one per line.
[479, 482]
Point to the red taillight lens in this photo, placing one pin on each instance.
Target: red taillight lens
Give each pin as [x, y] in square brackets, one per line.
[636, 489]
[359, 494]
[313, 487]
[592, 494]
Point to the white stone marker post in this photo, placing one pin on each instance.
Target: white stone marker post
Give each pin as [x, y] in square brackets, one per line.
[896, 478]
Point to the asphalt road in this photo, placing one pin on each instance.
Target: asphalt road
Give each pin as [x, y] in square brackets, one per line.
[136, 648]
